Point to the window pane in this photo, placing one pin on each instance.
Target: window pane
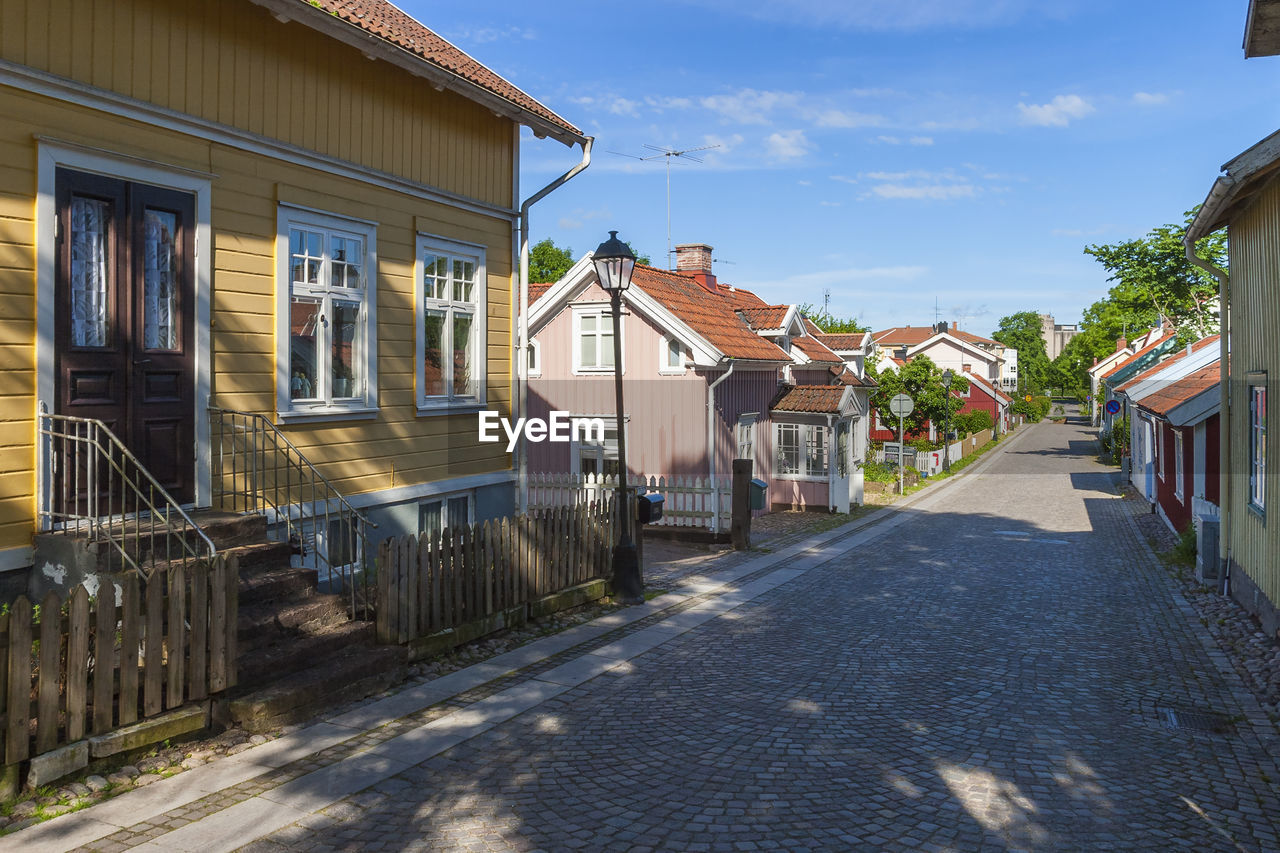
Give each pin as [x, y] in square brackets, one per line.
[90, 270]
[458, 511]
[433, 333]
[462, 355]
[306, 256]
[587, 345]
[304, 318]
[588, 323]
[606, 345]
[435, 276]
[159, 280]
[675, 354]
[464, 280]
[345, 331]
[430, 520]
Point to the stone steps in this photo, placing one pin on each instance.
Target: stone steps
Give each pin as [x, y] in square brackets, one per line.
[263, 665]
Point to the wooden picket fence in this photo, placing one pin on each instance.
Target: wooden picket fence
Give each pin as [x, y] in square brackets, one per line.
[78, 665]
[688, 501]
[427, 585]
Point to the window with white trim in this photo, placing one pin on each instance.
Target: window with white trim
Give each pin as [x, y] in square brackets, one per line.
[451, 323]
[1257, 442]
[672, 356]
[800, 451]
[327, 299]
[593, 340]
[592, 453]
[747, 436]
[534, 358]
[1179, 480]
[446, 512]
[1162, 449]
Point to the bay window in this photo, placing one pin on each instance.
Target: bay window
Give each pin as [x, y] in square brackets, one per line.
[800, 451]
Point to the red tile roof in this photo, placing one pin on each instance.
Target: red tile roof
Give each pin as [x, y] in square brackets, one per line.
[739, 298]
[764, 318]
[711, 315]
[845, 376]
[537, 290]
[913, 335]
[815, 399]
[1176, 393]
[1173, 359]
[816, 350]
[382, 19]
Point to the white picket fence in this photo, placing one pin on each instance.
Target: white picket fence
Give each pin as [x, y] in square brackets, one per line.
[687, 501]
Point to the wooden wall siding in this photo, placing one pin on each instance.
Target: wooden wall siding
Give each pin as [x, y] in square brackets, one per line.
[668, 426]
[744, 391]
[231, 62]
[1255, 345]
[357, 456]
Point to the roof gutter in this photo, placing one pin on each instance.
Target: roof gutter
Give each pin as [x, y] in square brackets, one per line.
[522, 320]
[711, 444]
[1224, 390]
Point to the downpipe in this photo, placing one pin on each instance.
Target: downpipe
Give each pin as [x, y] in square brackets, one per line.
[711, 443]
[522, 324]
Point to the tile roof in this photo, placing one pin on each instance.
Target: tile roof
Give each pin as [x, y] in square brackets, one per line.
[712, 315]
[382, 19]
[814, 399]
[845, 376]
[816, 350]
[766, 317]
[1176, 393]
[840, 341]
[739, 298]
[913, 335]
[536, 290]
[1138, 354]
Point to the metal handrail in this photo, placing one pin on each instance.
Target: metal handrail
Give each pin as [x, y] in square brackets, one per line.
[256, 468]
[90, 482]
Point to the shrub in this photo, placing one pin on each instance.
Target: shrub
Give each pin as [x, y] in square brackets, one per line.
[974, 421]
[879, 472]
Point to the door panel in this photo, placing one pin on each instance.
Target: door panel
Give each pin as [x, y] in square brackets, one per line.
[124, 327]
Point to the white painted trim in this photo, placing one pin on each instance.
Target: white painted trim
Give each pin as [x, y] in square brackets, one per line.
[92, 97]
[52, 156]
[469, 251]
[601, 310]
[288, 215]
[14, 559]
[665, 369]
[535, 371]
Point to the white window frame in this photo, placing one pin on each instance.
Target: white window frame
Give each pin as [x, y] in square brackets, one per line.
[603, 311]
[534, 356]
[1162, 448]
[749, 421]
[805, 438]
[1179, 479]
[665, 368]
[1257, 385]
[363, 403]
[443, 500]
[450, 401]
[602, 450]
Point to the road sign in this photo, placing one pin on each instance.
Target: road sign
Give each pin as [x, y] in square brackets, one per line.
[901, 405]
[1113, 407]
[1027, 398]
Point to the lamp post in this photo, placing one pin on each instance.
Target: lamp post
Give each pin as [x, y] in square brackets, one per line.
[614, 262]
[947, 376]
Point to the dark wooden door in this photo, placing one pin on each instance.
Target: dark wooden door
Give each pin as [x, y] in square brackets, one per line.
[125, 327]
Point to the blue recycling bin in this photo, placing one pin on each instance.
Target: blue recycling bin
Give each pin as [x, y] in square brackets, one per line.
[759, 490]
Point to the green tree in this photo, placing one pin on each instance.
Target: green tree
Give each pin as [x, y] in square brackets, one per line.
[921, 379]
[1021, 331]
[829, 323]
[1153, 278]
[548, 262]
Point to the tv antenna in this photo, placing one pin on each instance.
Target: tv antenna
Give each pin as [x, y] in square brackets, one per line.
[668, 153]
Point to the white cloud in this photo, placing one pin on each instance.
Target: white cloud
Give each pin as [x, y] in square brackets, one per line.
[831, 203]
[485, 35]
[935, 192]
[891, 14]
[831, 117]
[749, 106]
[1150, 99]
[889, 140]
[921, 140]
[725, 143]
[581, 217]
[844, 179]
[787, 145]
[1057, 113]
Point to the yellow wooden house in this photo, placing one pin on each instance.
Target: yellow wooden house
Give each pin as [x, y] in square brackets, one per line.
[246, 244]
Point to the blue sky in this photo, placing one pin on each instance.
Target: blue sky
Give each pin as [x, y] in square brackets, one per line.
[962, 150]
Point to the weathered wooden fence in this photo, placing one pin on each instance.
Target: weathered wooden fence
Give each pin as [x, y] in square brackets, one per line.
[689, 501]
[80, 665]
[472, 572]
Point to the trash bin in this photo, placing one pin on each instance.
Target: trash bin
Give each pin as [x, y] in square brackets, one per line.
[759, 488]
[649, 508]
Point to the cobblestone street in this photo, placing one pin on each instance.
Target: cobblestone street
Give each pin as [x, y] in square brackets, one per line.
[1000, 665]
[990, 674]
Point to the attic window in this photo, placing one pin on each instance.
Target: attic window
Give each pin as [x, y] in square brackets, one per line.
[784, 343]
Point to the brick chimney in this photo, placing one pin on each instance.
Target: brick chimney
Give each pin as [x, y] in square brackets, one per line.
[696, 258]
[966, 368]
[1121, 343]
[954, 325]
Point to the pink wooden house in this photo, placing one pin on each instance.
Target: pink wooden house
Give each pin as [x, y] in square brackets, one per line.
[711, 373]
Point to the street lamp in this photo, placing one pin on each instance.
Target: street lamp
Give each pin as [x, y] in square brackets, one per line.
[947, 376]
[614, 262]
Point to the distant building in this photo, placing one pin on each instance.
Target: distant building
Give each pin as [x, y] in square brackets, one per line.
[1055, 336]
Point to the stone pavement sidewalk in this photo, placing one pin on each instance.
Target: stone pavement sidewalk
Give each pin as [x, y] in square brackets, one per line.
[229, 803]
